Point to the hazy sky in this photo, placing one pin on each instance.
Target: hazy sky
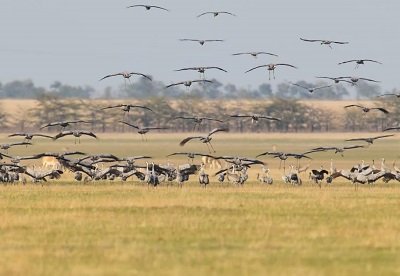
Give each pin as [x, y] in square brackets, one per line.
[80, 41]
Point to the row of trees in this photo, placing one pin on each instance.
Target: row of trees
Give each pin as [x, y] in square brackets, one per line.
[145, 89]
[296, 116]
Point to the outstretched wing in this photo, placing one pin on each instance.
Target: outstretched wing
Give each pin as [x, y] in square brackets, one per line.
[269, 118]
[154, 128]
[371, 60]
[224, 12]
[383, 136]
[174, 84]
[322, 87]
[301, 86]
[158, 7]
[311, 40]
[140, 106]
[286, 64]
[140, 74]
[187, 139]
[340, 42]
[17, 134]
[348, 61]
[42, 135]
[51, 124]
[371, 80]
[254, 68]
[392, 128]
[62, 134]
[356, 139]
[112, 106]
[204, 13]
[380, 109]
[112, 75]
[211, 119]
[88, 133]
[128, 124]
[218, 129]
[216, 67]
[353, 105]
[353, 147]
[240, 116]
[20, 144]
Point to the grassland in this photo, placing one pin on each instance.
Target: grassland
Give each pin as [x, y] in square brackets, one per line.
[65, 228]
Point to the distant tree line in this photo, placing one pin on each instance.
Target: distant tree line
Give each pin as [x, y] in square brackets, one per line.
[296, 116]
[145, 89]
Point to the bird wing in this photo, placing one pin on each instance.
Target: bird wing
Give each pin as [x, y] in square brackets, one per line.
[348, 61]
[266, 53]
[311, 40]
[353, 147]
[174, 84]
[204, 13]
[158, 7]
[269, 118]
[228, 13]
[20, 144]
[383, 136]
[368, 79]
[340, 42]
[371, 60]
[187, 139]
[183, 117]
[391, 128]
[211, 119]
[62, 134]
[356, 139]
[329, 78]
[351, 105]
[179, 153]
[189, 39]
[254, 68]
[240, 116]
[216, 67]
[128, 124]
[134, 6]
[51, 124]
[112, 75]
[17, 134]
[140, 106]
[140, 74]
[380, 109]
[209, 81]
[112, 106]
[321, 87]
[295, 84]
[213, 40]
[218, 129]
[42, 135]
[154, 128]
[389, 94]
[88, 133]
[186, 69]
[286, 64]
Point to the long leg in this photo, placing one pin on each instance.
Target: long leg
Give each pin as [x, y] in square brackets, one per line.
[212, 147]
[209, 151]
[273, 73]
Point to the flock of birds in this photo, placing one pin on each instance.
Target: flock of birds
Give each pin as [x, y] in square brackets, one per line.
[91, 167]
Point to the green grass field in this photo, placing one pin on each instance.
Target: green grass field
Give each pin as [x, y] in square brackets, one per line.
[68, 228]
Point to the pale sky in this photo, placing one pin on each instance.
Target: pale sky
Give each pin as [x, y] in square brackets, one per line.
[79, 41]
